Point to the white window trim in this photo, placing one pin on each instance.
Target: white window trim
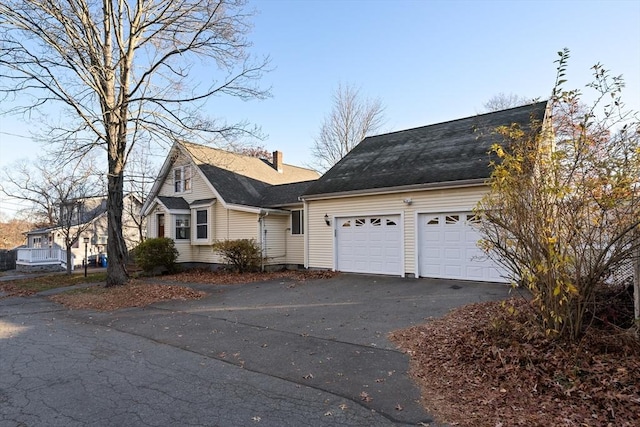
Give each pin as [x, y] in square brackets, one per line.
[301, 222]
[182, 170]
[175, 227]
[194, 223]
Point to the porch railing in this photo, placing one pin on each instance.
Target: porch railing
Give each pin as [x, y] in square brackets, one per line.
[43, 256]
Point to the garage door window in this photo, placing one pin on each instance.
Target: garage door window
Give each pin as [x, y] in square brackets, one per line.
[376, 222]
[360, 222]
[473, 219]
[434, 221]
[391, 222]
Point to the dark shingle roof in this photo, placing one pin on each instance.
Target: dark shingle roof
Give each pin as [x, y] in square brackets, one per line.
[233, 187]
[201, 202]
[174, 202]
[284, 194]
[444, 152]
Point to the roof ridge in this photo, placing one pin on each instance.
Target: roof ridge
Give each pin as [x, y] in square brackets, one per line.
[458, 120]
[221, 150]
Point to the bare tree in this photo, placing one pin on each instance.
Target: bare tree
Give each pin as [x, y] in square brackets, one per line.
[503, 101]
[34, 184]
[140, 176]
[351, 119]
[126, 70]
[59, 196]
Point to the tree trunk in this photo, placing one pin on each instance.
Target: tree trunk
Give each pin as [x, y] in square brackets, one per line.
[116, 249]
[68, 253]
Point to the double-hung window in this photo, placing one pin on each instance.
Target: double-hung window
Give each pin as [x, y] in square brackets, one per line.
[183, 227]
[202, 224]
[182, 179]
[297, 222]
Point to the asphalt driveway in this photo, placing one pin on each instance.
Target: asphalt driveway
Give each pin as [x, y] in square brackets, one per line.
[278, 353]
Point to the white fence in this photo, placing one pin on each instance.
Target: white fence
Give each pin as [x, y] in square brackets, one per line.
[43, 256]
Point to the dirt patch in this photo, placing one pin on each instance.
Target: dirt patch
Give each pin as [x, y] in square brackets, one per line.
[481, 366]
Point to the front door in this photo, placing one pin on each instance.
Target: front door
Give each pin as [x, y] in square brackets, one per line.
[160, 225]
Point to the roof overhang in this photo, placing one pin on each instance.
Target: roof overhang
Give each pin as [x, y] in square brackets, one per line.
[401, 189]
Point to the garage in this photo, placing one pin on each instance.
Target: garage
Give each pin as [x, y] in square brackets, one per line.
[447, 249]
[369, 244]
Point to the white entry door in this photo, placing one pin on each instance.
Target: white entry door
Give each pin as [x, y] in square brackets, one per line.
[447, 249]
[369, 244]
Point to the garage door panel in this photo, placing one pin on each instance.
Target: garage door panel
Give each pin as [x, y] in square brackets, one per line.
[451, 236]
[447, 248]
[369, 244]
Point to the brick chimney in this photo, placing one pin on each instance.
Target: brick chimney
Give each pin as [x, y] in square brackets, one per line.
[277, 161]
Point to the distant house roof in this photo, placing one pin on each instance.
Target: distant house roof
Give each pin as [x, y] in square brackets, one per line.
[441, 153]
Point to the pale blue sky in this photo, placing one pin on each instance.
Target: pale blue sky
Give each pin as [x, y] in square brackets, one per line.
[428, 61]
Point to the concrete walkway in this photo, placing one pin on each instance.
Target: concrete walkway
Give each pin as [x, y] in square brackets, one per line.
[277, 353]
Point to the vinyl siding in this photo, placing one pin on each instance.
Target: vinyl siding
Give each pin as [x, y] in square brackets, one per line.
[231, 224]
[274, 241]
[295, 248]
[199, 188]
[321, 236]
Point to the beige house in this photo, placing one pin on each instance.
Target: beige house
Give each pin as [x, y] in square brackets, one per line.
[402, 203]
[204, 194]
[397, 204]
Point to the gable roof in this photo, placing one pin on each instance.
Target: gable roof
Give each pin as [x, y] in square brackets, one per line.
[451, 152]
[237, 179]
[247, 166]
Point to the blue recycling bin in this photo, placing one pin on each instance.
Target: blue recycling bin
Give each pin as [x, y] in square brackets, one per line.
[103, 261]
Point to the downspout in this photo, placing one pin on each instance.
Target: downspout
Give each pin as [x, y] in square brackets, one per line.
[305, 210]
[263, 238]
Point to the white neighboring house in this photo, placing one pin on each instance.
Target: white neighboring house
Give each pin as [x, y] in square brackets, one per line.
[46, 250]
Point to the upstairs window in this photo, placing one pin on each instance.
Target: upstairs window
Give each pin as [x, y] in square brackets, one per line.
[183, 227]
[182, 179]
[297, 222]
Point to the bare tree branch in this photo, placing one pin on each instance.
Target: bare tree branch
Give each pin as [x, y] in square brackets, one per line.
[126, 70]
[349, 122]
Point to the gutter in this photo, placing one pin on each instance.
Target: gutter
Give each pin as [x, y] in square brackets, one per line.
[477, 182]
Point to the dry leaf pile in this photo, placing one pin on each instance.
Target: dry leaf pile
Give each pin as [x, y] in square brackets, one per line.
[132, 295]
[227, 278]
[481, 366]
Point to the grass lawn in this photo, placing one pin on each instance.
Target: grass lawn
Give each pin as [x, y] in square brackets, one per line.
[32, 285]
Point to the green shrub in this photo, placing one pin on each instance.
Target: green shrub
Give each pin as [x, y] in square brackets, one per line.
[156, 253]
[243, 254]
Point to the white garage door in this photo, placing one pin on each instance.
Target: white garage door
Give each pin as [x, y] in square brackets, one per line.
[369, 244]
[447, 249]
